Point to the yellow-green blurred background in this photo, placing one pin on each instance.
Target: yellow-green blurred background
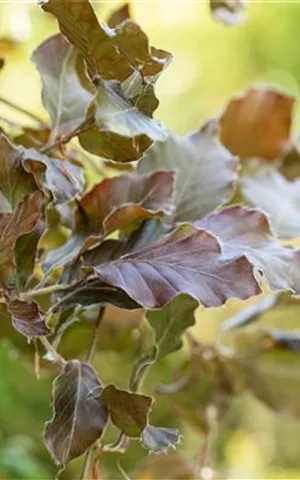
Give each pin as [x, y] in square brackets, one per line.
[211, 63]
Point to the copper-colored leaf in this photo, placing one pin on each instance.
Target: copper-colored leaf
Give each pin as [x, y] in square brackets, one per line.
[64, 97]
[119, 16]
[79, 417]
[15, 182]
[28, 319]
[258, 124]
[12, 226]
[187, 261]
[128, 411]
[206, 172]
[245, 231]
[229, 12]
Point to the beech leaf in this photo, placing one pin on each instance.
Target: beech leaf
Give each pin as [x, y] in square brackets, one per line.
[206, 172]
[229, 12]
[157, 439]
[25, 254]
[64, 97]
[277, 197]
[28, 319]
[79, 417]
[14, 225]
[187, 261]
[258, 124]
[128, 411]
[171, 321]
[15, 182]
[248, 232]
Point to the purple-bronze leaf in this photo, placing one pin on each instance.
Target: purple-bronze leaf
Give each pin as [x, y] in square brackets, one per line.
[79, 416]
[159, 439]
[28, 319]
[229, 12]
[128, 411]
[206, 172]
[14, 225]
[187, 261]
[64, 97]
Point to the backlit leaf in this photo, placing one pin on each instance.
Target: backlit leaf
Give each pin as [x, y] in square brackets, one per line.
[128, 411]
[171, 321]
[187, 261]
[258, 124]
[64, 97]
[119, 15]
[206, 172]
[12, 226]
[28, 319]
[79, 417]
[157, 439]
[277, 197]
[248, 232]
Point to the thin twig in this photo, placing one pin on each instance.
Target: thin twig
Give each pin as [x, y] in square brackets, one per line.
[31, 115]
[55, 357]
[205, 456]
[89, 358]
[85, 125]
[43, 291]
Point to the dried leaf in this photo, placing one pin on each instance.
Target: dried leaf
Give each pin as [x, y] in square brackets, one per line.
[157, 439]
[15, 182]
[229, 12]
[28, 319]
[171, 321]
[187, 261]
[64, 97]
[277, 197]
[119, 16]
[128, 411]
[12, 226]
[258, 124]
[79, 417]
[248, 232]
[206, 172]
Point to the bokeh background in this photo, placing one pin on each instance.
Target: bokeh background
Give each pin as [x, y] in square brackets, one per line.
[211, 64]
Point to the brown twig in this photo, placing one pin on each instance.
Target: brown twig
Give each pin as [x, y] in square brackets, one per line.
[85, 125]
[31, 115]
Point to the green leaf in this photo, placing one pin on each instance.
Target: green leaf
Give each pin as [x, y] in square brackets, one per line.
[206, 172]
[15, 182]
[171, 321]
[187, 261]
[64, 97]
[79, 417]
[157, 439]
[128, 411]
[28, 319]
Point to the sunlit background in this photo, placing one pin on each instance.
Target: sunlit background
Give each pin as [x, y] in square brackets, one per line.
[211, 64]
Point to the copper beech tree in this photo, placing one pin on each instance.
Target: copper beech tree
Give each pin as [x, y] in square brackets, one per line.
[173, 223]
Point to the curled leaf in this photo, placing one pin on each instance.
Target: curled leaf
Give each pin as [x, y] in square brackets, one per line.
[28, 319]
[79, 417]
[157, 439]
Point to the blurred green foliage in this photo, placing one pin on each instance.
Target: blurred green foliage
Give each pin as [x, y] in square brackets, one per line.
[211, 64]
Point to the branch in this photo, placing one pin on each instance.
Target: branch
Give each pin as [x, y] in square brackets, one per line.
[54, 356]
[85, 125]
[31, 115]
[43, 291]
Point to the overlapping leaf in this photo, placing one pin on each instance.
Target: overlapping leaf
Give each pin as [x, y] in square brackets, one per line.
[128, 411]
[115, 204]
[277, 197]
[79, 417]
[15, 182]
[206, 172]
[187, 261]
[28, 319]
[64, 97]
[245, 231]
[171, 321]
[229, 12]
[12, 226]
[258, 124]
[157, 439]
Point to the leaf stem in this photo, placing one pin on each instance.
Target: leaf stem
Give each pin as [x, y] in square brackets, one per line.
[139, 369]
[43, 291]
[31, 115]
[89, 358]
[54, 355]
